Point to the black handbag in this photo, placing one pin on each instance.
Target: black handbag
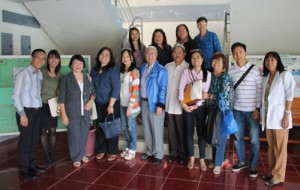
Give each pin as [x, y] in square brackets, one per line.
[111, 128]
[211, 132]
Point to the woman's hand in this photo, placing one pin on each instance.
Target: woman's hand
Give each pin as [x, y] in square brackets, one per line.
[187, 108]
[205, 95]
[110, 110]
[285, 120]
[88, 105]
[65, 119]
[129, 111]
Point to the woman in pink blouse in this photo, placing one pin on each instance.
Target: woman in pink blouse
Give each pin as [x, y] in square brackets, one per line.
[196, 111]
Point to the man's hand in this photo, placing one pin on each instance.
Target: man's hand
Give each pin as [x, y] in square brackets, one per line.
[24, 121]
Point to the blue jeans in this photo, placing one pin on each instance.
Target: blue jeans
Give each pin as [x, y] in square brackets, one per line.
[244, 119]
[219, 151]
[130, 128]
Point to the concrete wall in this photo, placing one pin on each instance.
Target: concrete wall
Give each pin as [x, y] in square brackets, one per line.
[39, 39]
[266, 25]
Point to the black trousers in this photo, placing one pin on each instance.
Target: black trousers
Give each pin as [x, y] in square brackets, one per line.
[177, 142]
[199, 115]
[29, 137]
[102, 144]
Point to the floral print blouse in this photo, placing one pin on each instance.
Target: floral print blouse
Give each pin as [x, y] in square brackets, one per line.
[219, 84]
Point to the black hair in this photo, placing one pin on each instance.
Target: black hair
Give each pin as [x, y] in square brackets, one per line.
[132, 65]
[202, 66]
[37, 50]
[54, 53]
[219, 55]
[238, 44]
[77, 57]
[111, 62]
[276, 56]
[201, 19]
[130, 39]
[164, 42]
[186, 28]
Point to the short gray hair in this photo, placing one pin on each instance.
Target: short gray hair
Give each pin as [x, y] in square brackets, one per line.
[178, 45]
[151, 47]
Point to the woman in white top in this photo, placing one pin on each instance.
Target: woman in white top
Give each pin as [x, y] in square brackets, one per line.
[278, 93]
[129, 100]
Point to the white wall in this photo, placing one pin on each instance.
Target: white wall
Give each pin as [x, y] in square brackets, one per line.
[266, 25]
[39, 39]
[170, 27]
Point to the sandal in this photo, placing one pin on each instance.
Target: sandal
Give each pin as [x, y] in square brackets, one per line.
[217, 170]
[76, 164]
[100, 156]
[191, 163]
[226, 164]
[112, 158]
[203, 165]
[85, 159]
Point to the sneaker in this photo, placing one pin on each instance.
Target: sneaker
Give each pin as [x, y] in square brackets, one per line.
[124, 153]
[130, 155]
[253, 172]
[240, 166]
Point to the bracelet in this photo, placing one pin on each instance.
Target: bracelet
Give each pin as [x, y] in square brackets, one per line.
[110, 106]
[287, 111]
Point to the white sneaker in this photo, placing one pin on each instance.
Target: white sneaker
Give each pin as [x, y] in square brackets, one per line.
[130, 155]
[124, 153]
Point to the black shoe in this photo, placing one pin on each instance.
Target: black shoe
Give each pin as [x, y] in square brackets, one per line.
[253, 172]
[27, 175]
[183, 160]
[145, 157]
[156, 161]
[37, 170]
[267, 177]
[171, 159]
[272, 183]
[240, 166]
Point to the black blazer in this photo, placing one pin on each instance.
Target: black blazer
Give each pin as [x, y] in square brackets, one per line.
[70, 94]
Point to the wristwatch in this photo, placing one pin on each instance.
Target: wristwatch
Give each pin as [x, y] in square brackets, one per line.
[287, 111]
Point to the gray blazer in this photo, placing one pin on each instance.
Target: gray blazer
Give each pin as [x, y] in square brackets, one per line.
[70, 94]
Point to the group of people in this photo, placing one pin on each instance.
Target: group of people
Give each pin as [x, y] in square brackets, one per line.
[151, 82]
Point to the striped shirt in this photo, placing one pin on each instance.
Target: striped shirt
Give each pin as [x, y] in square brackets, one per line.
[248, 95]
[129, 94]
[27, 90]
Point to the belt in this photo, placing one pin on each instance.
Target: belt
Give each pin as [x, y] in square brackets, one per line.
[145, 99]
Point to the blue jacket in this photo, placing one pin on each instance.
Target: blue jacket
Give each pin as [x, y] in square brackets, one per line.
[156, 83]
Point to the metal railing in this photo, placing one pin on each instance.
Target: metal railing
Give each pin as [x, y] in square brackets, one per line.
[226, 30]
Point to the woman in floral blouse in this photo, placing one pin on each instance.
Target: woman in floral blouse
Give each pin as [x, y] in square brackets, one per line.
[220, 83]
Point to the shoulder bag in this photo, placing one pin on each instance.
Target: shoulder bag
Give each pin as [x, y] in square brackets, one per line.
[193, 91]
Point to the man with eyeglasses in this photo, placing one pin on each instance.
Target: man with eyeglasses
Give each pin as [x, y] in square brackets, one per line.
[27, 101]
[207, 42]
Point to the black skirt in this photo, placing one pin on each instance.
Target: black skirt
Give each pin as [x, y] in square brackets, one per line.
[47, 120]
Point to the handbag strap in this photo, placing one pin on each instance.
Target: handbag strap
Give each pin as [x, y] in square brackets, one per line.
[193, 79]
[242, 77]
[107, 116]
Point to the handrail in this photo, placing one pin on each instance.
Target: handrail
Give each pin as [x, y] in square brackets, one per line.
[132, 24]
[225, 38]
[125, 10]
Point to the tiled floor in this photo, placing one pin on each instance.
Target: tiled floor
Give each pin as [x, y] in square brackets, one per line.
[136, 174]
